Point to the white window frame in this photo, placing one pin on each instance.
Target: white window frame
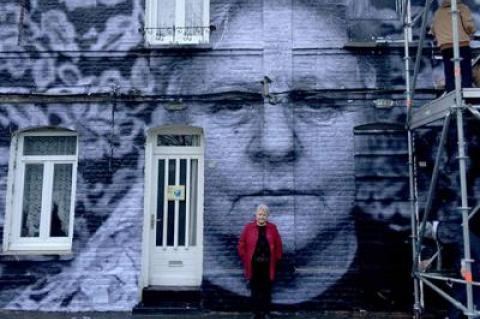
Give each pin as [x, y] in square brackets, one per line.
[178, 37]
[44, 244]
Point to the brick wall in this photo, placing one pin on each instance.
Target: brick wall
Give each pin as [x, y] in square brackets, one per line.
[82, 65]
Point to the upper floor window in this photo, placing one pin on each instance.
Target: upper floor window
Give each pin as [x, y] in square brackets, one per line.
[177, 22]
[42, 178]
[376, 9]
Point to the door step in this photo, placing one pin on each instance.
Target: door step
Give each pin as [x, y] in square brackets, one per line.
[166, 299]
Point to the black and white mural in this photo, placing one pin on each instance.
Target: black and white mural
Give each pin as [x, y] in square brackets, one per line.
[345, 238]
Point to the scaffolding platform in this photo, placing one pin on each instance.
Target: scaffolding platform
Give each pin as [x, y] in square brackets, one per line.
[439, 108]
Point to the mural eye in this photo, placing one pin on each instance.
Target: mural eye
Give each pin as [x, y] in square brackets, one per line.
[319, 113]
[231, 113]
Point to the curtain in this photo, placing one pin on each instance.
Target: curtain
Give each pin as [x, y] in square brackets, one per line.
[194, 17]
[61, 197]
[165, 18]
[32, 200]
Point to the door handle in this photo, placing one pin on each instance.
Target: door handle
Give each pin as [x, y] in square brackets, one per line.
[152, 222]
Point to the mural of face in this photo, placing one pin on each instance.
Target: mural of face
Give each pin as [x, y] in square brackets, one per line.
[286, 155]
[292, 150]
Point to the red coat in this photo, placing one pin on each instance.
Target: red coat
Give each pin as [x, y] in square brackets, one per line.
[248, 242]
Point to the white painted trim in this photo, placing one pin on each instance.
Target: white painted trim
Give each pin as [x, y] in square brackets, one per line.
[151, 21]
[144, 268]
[165, 202]
[177, 205]
[206, 21]
[73, 197]
[187, 203]
[47, 195]
[151, 156]
[200, 207]
[49, 131]
[13, 242]
[7, 227]
[37, 253]
[41, 158]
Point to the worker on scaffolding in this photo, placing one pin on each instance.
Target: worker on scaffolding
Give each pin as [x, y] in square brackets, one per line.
[442, 30]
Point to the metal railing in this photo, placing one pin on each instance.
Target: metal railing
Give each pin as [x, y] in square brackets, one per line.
[174, 34]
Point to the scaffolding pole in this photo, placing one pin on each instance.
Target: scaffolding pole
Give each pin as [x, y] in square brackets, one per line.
[462, 160]
[407, 21]
[440, 110]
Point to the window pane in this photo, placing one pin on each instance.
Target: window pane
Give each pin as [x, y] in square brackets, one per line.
[61, 200]
[178, 140]
[193, 17]
[182, 214]
[50, 145]
[32, 200]
[171, 223]
[370, 9]
[166, 18]
[160, 201]
[193, 202]
[166, 13]
[171, 205]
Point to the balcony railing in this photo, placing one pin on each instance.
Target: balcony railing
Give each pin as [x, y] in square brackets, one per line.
[178, 35]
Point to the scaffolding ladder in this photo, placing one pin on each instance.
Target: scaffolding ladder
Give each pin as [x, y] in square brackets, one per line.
[451, 105]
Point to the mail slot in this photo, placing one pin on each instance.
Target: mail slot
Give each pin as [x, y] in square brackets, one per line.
[175, 263]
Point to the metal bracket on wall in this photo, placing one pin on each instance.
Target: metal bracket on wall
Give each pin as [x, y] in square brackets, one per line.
[271, 98]
[266, 86]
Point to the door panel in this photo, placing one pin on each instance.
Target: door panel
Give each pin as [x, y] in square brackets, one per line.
[175, 256]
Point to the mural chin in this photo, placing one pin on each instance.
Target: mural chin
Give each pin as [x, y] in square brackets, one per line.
[303, 274]
[289, 208]
[318, 235]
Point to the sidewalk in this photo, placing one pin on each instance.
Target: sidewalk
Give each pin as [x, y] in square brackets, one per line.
[202, 315]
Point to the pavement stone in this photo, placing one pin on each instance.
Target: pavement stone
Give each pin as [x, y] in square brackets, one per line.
[202, 315]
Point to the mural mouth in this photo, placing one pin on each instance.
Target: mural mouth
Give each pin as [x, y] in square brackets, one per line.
[282, 192]
[280, 200]
[298, 214]
[318, 241]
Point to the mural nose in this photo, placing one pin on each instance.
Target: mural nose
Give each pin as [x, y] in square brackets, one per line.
[275, 140]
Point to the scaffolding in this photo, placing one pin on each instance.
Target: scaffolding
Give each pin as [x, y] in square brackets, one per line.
[453, 104]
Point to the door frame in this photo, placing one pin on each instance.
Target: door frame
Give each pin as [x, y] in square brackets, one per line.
[150, 151]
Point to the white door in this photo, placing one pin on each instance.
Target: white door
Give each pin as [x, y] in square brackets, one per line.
[176, 224]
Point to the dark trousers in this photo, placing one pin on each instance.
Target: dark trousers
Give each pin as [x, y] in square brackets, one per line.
[261, 288]
[465, 66]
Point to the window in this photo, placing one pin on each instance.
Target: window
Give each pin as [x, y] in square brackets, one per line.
[177, 22]
[178, 140]
[375, 21]
[376, 9]
[42, 178]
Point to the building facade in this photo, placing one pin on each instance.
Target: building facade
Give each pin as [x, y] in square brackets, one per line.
[137, 138]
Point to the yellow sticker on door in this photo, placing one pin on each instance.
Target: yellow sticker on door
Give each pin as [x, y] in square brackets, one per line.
[176, 192]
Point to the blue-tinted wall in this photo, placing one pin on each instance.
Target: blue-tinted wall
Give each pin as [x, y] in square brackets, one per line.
[338, 198]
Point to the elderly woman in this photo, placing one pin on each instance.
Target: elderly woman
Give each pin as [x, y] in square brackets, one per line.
[260, 248]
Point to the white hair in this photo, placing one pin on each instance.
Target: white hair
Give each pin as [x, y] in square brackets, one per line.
[264, 208]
